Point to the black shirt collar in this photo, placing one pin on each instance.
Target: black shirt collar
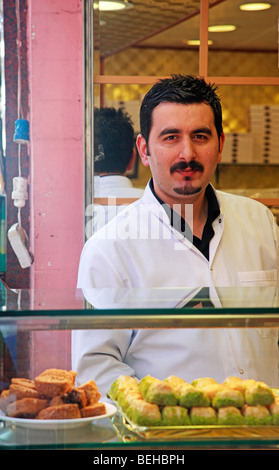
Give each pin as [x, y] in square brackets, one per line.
[181, 225]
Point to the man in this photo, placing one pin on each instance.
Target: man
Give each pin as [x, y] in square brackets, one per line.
[181, 233]
[115, 156]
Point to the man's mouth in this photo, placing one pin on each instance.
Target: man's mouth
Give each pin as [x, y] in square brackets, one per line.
[186, 168]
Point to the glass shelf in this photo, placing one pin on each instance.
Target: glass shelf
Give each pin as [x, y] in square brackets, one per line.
[134, 308]
[24, 313]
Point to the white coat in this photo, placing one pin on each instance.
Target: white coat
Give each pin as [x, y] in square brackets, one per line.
[243, 252]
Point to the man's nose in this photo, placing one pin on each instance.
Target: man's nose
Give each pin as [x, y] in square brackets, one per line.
[187, 149]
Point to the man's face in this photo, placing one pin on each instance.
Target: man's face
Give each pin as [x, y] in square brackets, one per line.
[184, 150]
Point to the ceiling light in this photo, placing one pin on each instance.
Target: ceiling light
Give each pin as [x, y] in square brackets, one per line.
[254, 6]
[221, 28]
[195, 42]
[112, 5]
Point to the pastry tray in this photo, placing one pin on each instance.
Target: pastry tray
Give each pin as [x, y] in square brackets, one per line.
[127, 431]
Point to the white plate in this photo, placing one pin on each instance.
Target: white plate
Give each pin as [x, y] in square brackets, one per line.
[56, 424]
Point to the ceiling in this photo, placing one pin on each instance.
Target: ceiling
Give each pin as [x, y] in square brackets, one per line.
[160, 23]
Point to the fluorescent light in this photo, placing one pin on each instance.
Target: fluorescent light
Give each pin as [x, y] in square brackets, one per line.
[259, 6]
[113, 5]
[221, 28]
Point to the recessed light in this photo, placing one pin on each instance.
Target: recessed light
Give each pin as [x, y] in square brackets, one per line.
[195, 42]
[112, 5]
[259, 6]
[221, 28]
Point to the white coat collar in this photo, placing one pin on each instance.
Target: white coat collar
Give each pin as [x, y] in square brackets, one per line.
[156, 208]
[149, 198]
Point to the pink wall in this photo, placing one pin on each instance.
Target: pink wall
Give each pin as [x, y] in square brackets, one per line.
[56, 140]
[56, 152]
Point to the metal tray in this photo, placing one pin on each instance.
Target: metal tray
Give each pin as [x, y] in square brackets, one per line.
[128, 431]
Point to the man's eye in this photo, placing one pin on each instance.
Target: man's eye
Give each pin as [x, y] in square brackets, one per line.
[200, 137]
[171, 137]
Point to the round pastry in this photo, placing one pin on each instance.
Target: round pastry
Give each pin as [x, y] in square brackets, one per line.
[22, 390]
[257, 415]
[5, 399]
[211, 390]
[68, 411]
[93, 410]
[157, 391]
[274, 410]
[191, 396]
[23, 381]
[123, 383]
[203, 382]
[143, 413]
[230, 415]
[176, 383]
[91, 392]
[234, 383]
[126, 398]
[175, 416]
[203, 415]
[228, 397]
[259, 394]
[26, 407]
[54, 382]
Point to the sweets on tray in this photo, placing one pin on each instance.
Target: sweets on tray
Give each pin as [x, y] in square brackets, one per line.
[230, 415]
[236, 383]
[257, 415]
[175, 402]
[203, 415]
[259, 394]
[123, 384]
[176, 383]
[144, 413]
[228, 397]
[274, 411]
[204, 382]
[175, 416]
[190, 396]
[51, 395]
[157, 391]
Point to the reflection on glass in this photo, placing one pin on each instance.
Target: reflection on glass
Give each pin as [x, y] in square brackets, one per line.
[183, 298]
[128, 98]
[247, 44]
[230, 299]
[149, 39]
[144, 20]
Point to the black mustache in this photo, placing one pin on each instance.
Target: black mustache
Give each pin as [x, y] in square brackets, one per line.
[193, 165]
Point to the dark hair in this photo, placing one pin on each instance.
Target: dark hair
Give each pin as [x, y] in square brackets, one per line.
[185, 89]
[113, 140]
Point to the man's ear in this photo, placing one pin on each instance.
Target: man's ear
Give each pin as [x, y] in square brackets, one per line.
[221, 146]
[142, 149]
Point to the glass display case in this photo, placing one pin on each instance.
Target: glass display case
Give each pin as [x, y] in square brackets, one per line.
[36, 328]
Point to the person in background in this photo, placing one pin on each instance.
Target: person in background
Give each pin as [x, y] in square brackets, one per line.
[181, 233]
[114, 157]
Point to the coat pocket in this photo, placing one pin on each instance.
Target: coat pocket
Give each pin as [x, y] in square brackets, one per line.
[258, 278]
